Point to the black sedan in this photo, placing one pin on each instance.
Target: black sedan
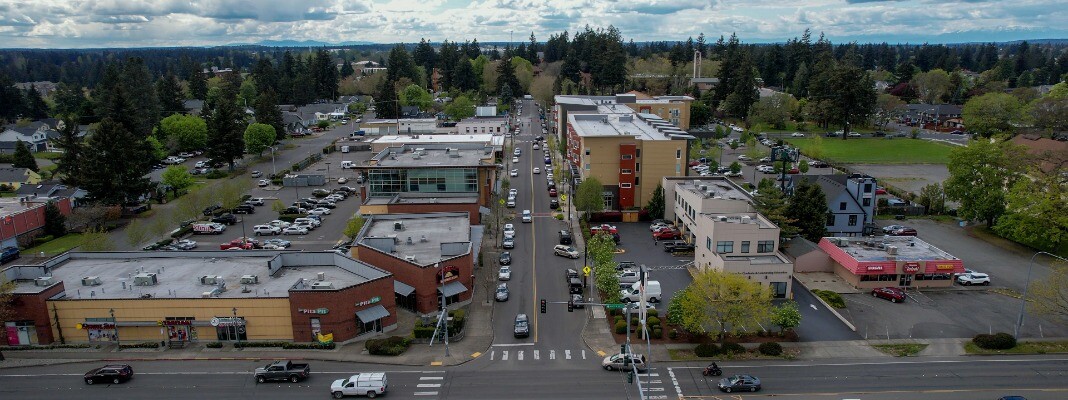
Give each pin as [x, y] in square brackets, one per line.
[739, 383]
[113, 373]
[505, 258]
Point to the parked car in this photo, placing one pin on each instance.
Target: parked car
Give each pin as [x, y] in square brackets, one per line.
[111, 373]
[509, 243]
[666, 234]
[238, 244]
[185, 244]
[284, 371]
[973, 278]
[211, 210]
[891, 228]
[739, 383]
[256, 201]
[502, 292]
[256, 174]
[9, 254]
[603, 228]
[319, 211]
[295, 230]
[263, 183]
[522, 326]
[228, 219]
[797, 134]
[565, 237]
[505, 273]
[895, 295]
[505, 258]
[554, 204]
[904, 232]
[566, 251]
[514, 173]
[244, 209]
[342, 180]
[527, 216]
[552, 192]
[281, 243]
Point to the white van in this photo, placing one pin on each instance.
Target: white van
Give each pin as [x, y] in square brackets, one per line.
[344, 149]
[209, 228]
[633, 295]
[368, 384]
[347, 164]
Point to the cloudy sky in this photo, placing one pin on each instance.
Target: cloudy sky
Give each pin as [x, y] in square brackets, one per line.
[148, 23]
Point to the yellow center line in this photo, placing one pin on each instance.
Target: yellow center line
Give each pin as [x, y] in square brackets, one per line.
[534, 246]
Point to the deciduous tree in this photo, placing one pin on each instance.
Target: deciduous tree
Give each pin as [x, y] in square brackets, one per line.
[461, 107]
[720, 302]
[931, 85]
[178, 178]
[1035, 211]
[979, 175]
[786, 316]
[1049, 296]
[992, 113]
[600, 251]
[589, 197]
[258, 137]
[183, 132]
[414, 95]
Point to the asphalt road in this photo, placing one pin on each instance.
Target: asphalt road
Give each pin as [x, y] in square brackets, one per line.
[1041, 377]
[536, 272]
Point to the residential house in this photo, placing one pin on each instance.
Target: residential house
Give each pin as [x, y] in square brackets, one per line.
[53, 190]
[16, 177]
[294, 124]
[940, 117]
[36, 135]
[368, 67]
[851, 202]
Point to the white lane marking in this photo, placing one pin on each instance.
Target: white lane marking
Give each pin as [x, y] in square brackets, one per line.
[656, 382]
[654, 389]
[813, 307]
[217, 373]
[583, 354]
[431, 378]
[661, 397]
[893, 362]
[537, 355]
[512, 344]
[493, 354]
[552, 354]
[648, 374]
[504, 355]
[426, 393]
[567, 354]
[520, 355]
[428, 385]
[675, 381]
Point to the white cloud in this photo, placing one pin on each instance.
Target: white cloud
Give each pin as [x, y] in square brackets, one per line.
[125, 23]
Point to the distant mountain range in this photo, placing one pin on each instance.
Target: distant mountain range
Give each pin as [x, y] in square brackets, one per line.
[300, 43]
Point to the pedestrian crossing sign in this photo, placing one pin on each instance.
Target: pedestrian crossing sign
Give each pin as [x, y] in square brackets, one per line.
[586, 270]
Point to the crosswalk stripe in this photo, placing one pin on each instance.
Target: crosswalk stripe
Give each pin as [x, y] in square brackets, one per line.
[504, 355]
[519, 356]
[431, 378]
[656, 382]
[567, 354]
[552, 354]
[492, 355]
[428, 385]
[537, 355]
[426, 393]
[655, 389]
[583, 354]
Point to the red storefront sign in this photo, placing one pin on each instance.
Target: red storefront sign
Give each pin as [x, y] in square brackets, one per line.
[912, 267]
[448, 274]
[174, 323]
[97, 325]
[875, 268]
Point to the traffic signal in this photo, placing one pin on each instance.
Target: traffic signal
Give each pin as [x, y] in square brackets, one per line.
[630, 376]
[570, 306]
[543, 306]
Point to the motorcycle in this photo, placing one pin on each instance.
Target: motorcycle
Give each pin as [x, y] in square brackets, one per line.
[713, 370]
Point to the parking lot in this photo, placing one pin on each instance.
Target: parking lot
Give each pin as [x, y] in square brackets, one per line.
[322, 238]
[637, 245]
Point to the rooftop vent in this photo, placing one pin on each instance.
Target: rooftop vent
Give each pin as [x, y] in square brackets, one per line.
[410, 240]
[321, 276]
[422, 239]
[409, 258]
[746, 219]
[322, 285]
[145, 279]
[398, 226]
[44, 281]
[91, 281]
[249, 279]
[842, 242]
[891, 250]
[210, 279]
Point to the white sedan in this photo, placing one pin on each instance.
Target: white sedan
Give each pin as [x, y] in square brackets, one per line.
[515, 172]
[509, 229]
[295, 230]
[797, 134]
[537, 170]
[505, 273]
[319, 211]
[515, 160]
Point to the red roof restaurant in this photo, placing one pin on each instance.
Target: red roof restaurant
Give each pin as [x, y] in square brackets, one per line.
[904, 261]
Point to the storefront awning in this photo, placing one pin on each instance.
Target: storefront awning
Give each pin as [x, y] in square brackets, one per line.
[402, 288]
[372, 314]
[453, 288]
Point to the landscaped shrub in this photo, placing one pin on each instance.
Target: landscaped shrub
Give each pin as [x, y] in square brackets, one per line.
[309, 346]
[46, 347]
[214, 345]
[673, 334]
[652, 321]
[182, 231]
[423, 332]
[732, 348]
[391, 346]
[770, 349]
[997, 341]
[241, 345]
[833, 299]
[658, 333]
[621, 327]
[216, 174]
[653, 313]
[706, 350]
[142, 345]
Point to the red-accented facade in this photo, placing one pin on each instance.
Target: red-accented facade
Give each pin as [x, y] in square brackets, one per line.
[31, 307]
[933, 272]
[628, 155]
[425, 279]
[335, 310]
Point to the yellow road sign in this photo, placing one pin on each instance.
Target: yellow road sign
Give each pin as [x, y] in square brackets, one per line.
[586, 270]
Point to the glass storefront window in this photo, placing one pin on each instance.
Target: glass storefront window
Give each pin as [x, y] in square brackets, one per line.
[388, 182]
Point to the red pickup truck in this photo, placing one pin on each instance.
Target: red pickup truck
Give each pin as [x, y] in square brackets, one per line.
[240, 243]
[603, 228]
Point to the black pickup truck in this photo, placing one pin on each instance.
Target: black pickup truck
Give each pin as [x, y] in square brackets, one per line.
[283, 371]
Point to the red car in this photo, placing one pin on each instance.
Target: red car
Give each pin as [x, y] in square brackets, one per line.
[794, 171]
[666, 234]
[603, 227]
[895, 295]
[552, 192]
[241, 243]
[880, 190]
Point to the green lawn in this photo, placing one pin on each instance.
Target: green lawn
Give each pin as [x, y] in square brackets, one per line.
[57, 246]
[1022, 348]
[901, 350]
[48, 155]
[877, 150]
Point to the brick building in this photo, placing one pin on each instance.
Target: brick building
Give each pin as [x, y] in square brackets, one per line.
[432, 169]
[431, 256]
[21, 218]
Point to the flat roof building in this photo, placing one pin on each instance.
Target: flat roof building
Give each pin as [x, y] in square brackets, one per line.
[880, 261]
[182, 297]
[462, 168]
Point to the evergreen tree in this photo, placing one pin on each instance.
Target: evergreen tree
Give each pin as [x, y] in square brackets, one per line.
[266, 76]
[401, 65]
[771, 203]
[11, 99]
[532, 50]
[34, 106]
[139, 89]
[55, 223]
[23, 158]
[507, 83]
[198, 84]
[226, 129]
[267, 112]
[115, 174]
[386, 100]
[347, 70]
[854, 100]
[465, 79]
[424, 55]
[171, 98]
[656, 205]
[68, 100]
[808, 206]
[325, 75]
[474, 50]
[69, 163]
[303, 88]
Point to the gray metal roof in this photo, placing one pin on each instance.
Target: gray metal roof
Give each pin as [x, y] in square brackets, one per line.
[372, 313]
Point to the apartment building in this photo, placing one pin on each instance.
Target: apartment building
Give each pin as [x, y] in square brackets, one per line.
[673, 109]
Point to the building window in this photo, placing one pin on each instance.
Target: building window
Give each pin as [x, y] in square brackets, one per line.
[867, 188]
[626, 171]
[879, 278]
[867, 201]
[745, 246]
[638, 167]
[842, 206]
[587, 151]
[778, 289]
[766, 246]
[708, 243]
[852, 220]
[830, 219]
[678, 154]
[675, 112]
[637, 153]
[587, 166]
[637, 180]
[625, 185]
[608, 197]
[627, 157]
[725, 247]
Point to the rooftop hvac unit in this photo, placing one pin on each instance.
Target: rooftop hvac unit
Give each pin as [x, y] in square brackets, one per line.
[422, 239]
[91, 281]
[212, 293]
[322, 285]
[320, 276]
[409, 240]
[210, 279]
[746, 219]
[398, 226]
[704, 188]
[249, 279]
[44, 281]
[843, 242]
[722, 218]
[409, 258]
[145, 279]
[206, 295]
[891, 250]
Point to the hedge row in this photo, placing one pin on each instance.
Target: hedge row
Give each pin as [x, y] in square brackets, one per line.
[47, 347]
[286, 345]
[997, 341]
[391, 346]
[833, 299]
[142, 345]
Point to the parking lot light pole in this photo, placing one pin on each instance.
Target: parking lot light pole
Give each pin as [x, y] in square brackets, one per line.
[1027, 285]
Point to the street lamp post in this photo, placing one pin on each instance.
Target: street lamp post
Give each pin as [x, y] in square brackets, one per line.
[274, 171]
[114, 325]
[1027, 285]
[328, 170]
[233, 323]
